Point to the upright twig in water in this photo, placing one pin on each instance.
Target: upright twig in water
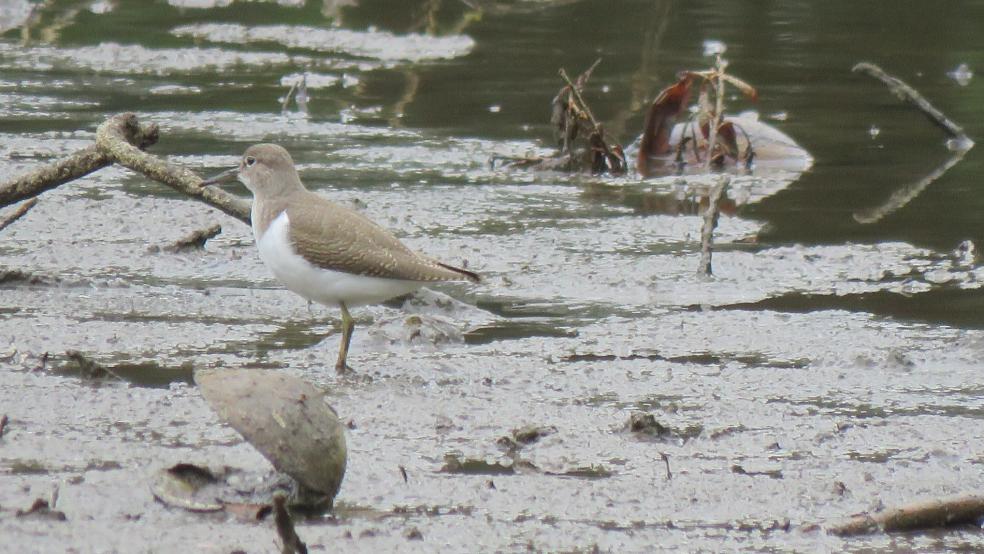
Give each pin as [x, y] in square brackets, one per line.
[711, 215]
[287, 97]
[718, 80]
[603, 155]
[576, 92]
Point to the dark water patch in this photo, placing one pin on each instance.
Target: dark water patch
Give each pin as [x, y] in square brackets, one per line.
[585, 472]
[770, 473]
[503, 306]
[154, 374]
[645, 426]
[516, 329]
[953, 306]
[697, 358]
[471, 466]
[877, 457]
[19, 277]
[288, 336]
[27, 467]
[143, 374]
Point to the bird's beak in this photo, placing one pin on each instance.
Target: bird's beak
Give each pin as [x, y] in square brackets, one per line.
[224, 177]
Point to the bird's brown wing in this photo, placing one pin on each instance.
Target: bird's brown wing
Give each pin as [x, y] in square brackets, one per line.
[334, 237]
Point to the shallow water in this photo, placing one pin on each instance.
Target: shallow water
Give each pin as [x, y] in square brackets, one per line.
[828, 367]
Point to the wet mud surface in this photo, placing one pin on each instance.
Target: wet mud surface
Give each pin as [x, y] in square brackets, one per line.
[593, 392]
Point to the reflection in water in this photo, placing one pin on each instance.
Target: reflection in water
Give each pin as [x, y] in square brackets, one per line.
[905, 194]
[645, 79]
[685, 200]
[47, 20]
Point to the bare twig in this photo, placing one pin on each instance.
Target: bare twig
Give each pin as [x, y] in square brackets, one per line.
[711, 215]
[111, 140]
[290, 93]
[927, 514]
[720, 66]
[598, 139]
[582, 105]
[292, 544]
[194, 241]
[18, 213]
[908, 94]
[666, 460]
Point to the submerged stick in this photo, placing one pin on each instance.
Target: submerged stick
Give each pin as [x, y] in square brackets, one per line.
[711, 215]
[19, 213]
[927, 514]
[908, 94]
[110, 139]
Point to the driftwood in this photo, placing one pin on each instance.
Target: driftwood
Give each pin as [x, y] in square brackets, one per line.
[908, 94]
[927, 514]
[711, 215]
[120, 139]
[194, 241]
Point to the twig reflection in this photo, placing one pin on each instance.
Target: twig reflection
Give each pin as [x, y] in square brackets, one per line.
[904, 195]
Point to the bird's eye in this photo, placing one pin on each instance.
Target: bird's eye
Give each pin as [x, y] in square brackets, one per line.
[250, 160]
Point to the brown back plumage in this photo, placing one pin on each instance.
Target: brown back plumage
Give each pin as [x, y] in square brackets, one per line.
[328, 235]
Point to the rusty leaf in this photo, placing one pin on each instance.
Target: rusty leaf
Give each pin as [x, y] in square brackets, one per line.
[728, 140]
[659, 122]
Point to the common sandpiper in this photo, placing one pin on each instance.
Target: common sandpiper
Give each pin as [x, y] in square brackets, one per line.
[323, 251]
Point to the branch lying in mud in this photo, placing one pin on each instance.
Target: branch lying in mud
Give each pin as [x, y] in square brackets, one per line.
[121, 139]
[111, 139]
[908, 94]
[79, 164]
[928, 514]
[711, 216]
[18, 213]
[194, 241]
